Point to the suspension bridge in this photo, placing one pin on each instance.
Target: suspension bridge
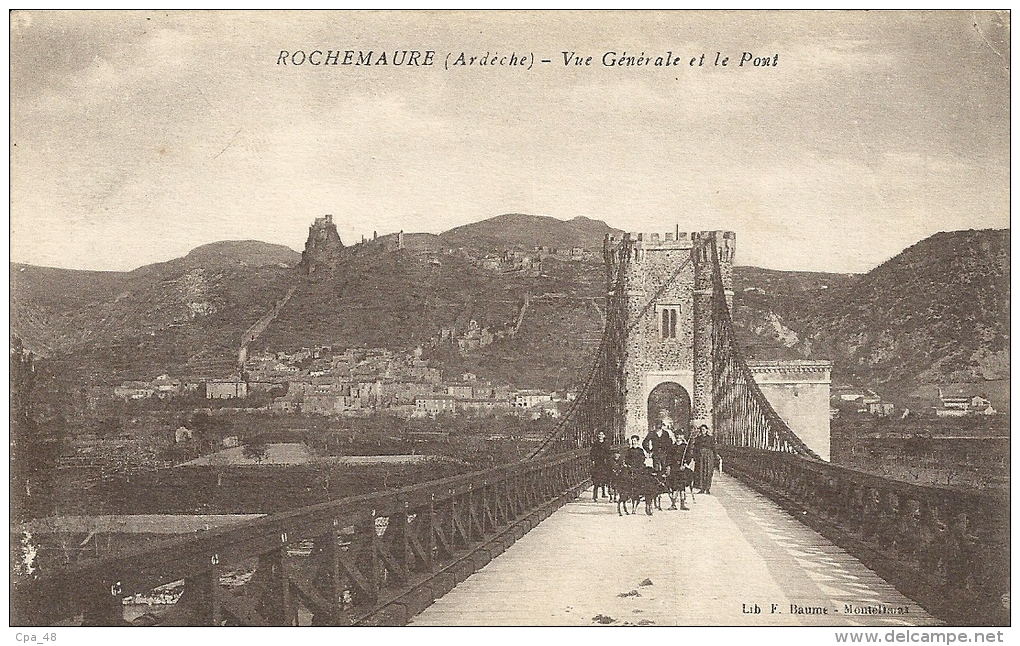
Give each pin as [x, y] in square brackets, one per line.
[785, 538]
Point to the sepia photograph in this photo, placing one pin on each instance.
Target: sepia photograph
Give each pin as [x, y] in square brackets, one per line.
[510, 319]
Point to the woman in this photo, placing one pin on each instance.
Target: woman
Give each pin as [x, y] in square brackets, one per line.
[704, 457]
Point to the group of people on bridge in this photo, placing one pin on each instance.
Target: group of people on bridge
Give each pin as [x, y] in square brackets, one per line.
[663, 462]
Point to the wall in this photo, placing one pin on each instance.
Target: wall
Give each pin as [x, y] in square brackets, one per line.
[650, 358]
[799, 391]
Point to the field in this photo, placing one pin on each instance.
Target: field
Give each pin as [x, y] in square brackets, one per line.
[967, 453]
[258, 489]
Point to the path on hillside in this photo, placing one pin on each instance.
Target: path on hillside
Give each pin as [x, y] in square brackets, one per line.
[256, 330]
[713, 565]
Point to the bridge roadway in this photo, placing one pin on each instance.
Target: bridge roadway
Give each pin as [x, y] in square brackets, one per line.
[711, 566]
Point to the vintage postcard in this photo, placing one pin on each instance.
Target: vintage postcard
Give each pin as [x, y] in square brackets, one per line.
[519, 318]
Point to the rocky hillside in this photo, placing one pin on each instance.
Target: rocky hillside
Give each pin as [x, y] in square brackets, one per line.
[166, 315]
[770, 305]
[938, 312]
[187, 316]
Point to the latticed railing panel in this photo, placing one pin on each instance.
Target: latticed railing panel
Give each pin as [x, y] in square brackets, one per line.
[373, 559]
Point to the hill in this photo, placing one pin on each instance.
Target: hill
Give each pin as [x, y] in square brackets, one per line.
[529, 231]
[769, 307]
[404, 299]
[188, 315]
[243, 253]
[937, 312]
[158, 318]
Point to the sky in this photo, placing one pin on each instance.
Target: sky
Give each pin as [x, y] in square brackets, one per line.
[136, 137]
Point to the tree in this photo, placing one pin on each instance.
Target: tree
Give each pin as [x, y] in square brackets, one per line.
[209, 430]
[111, 426]
[255, 448]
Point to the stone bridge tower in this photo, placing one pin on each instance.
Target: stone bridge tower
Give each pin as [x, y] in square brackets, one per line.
[669, 293]
[668, 359]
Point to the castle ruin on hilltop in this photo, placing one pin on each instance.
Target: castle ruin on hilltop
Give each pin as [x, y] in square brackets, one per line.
[323, 247]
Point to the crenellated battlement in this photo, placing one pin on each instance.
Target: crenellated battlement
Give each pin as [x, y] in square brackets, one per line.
[676, 239]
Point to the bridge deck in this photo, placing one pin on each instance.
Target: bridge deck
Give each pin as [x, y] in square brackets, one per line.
[709, 566]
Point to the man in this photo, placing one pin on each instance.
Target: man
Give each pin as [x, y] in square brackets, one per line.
[704, 457]
[659, 444]
[634, 457]
[601, 466]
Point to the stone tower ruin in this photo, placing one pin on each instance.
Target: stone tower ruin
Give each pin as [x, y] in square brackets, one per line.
[323, 249]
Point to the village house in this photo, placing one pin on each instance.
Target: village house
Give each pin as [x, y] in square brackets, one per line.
[484, 390]
[460, 391]
[880, 409]
[134, 390]
[226, 389]
[530, 398]
[314, 404]
[544, 409]
[403, 392]
[289, 403]
[962, 405]
[165, 386]
[434, 404]
[479, 407]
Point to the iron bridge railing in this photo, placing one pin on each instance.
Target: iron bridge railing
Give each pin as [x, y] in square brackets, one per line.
[372, 559]
[946, 548]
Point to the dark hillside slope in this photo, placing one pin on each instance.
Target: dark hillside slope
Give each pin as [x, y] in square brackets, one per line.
[937, 312]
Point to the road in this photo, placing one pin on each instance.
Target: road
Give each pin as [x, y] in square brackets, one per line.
[734, 559]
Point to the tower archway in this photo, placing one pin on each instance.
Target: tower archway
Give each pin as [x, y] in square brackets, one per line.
[670, 400]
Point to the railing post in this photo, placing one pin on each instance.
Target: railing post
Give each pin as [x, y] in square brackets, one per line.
[430, 534]
[275, 601]
[328, 576]
[105, 606]
[484, 509]
[200, 599]
[929, 535]
[366, 555]
[396, 544]
[404, 542]
[453, 522]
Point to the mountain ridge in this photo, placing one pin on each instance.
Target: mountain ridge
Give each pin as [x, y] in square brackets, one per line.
[879, 328]
[530, 231]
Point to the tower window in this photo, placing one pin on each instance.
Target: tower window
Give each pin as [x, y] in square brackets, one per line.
[667, 324]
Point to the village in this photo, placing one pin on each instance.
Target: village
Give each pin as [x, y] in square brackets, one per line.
[951, 400]
[353, 382]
